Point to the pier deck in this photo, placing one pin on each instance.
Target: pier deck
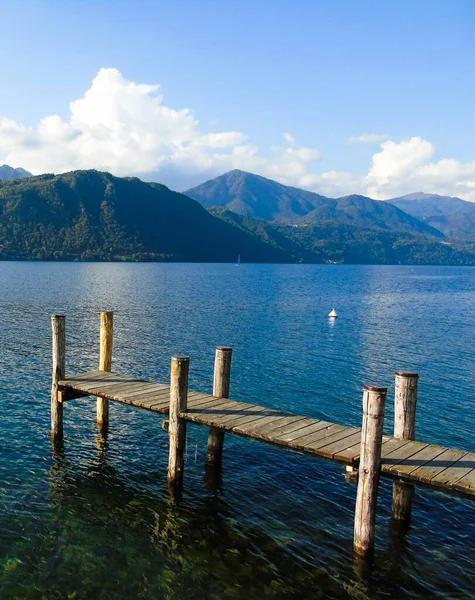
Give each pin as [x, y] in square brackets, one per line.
[414, 461]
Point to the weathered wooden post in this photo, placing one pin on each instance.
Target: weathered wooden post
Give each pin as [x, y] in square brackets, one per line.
[221, 382]
[105, 364]
[177, 425]
[405, 401]
[58, 327]
[374, 402]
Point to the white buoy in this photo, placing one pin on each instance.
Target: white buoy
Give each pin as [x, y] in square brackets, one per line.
[333, 314]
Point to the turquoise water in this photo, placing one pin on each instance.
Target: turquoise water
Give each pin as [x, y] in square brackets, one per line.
[95, 521]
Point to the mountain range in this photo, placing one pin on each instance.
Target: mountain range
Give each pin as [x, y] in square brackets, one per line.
[252, 195]
[89, 215]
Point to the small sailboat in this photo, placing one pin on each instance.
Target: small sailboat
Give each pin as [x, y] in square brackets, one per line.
[333, 314]
[238, 264]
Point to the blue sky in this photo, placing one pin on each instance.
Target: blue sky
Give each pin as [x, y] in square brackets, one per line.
[400, 73]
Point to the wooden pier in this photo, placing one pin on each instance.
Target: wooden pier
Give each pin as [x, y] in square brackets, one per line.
[399, 456]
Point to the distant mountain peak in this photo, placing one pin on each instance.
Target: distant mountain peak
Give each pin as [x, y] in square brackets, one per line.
[7, 172]
[451, 215]
[425, 196]
[253, 195]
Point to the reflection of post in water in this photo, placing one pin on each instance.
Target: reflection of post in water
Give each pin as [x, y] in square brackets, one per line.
[405, 401]
[167, 526]
[213, 478]
[102, 446]
[403, 495]
[361, 588]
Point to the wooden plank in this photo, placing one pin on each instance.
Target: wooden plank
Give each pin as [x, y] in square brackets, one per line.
[154, 389]
[391, 444]
[400, 454]
[154, 405]
[320, 431]
[307, 431]
[84, 383]
[248, 428]
[266, 430]
[100, 385]
[287, 425]
[116, 387]
[226, 421]
[151, 400]
[328, 436]
[247, 416]
[434, 467]
[121, 393]
[196, 399]
[205, 402]
[330, 449]
[213, 408]
[210, 415]
[425, 455]
[349, 455]
[467, 482]
[450, 476]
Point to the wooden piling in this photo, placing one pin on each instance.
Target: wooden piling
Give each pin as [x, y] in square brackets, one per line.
[58, 327]
[405, 401]
[177, 425]
[374, 402]
[105, 364]
[221, 383]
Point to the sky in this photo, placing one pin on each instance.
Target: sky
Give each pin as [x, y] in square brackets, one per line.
[340, 97]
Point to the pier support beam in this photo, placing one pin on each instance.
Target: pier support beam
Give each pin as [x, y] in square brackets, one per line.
[405, 401]
[58, 327]
[374, 402]
[177, 426]
[221, 382]
[105, 364]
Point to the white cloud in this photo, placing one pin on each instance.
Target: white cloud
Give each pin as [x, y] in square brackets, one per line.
[404, 167]
[289, 138]
[367, 138]
[126, 128]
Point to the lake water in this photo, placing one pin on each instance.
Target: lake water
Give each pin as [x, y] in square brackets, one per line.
[96, 521]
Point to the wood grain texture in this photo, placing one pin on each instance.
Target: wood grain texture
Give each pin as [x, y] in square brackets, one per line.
[405, 402]
[177, 425]
[221, 383]
[58, 330]
[105, 364]
[374, 401]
